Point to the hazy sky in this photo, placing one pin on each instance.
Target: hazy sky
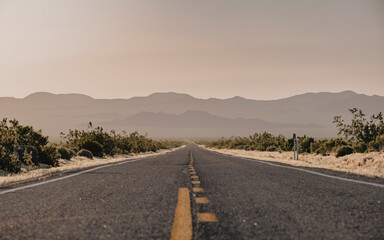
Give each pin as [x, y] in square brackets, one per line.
[255, 49]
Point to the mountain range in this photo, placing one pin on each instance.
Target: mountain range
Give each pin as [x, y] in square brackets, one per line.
[181, 115]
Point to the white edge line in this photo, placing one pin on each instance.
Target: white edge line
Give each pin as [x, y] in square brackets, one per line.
[304, 170]
[69, 176]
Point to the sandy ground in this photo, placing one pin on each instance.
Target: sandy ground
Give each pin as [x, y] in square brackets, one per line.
[73, 164]
[368, 164]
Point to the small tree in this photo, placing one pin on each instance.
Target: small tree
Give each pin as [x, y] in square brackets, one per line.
[360, 129]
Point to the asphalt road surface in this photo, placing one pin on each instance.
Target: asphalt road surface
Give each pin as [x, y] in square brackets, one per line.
[228, 198]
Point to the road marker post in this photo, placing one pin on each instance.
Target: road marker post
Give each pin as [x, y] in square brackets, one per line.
[295, 147]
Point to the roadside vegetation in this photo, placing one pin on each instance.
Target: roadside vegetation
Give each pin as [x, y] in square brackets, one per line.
[24, 146]
[362, 135]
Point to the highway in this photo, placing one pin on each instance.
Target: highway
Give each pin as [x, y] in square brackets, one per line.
[195, 193]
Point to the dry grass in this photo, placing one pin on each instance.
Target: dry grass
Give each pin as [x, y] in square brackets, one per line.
[368, 164]
[73, 164]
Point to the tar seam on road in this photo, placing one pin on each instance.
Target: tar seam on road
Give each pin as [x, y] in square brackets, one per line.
[307, 171]
[69, 176]
[182, 223]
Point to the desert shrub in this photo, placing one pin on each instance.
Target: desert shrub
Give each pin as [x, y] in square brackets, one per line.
[21, 144]
[305, 144]
[93, 146]
[85, 153]
[378, 144]
[361, 129]
[258, 141]
[321, 150]
[268, 142]
[361, 147]
[272, 148]
[74, 149]
[102, 143]
[50, 156]
[167, 144]
[9, 161]
[65, 153]
[345, 150]
[314, 146]
[334, 144]
[72, 152]
[27, 154]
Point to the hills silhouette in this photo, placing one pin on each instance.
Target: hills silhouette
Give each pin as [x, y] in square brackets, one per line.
[181, 115]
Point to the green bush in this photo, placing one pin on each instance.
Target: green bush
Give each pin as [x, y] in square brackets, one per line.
[85, 153]
[22, 144]
[271, 148]
[258, 141]
[321, 150]
[268, 142]
[10, 161]
[94, 147]
[378, 144]
[361, 129]
[361, 147]
[102, 143]
[314, 146]
[27, 154]
[65, 153]
[50, 156]
[305, 144]
[345, 150]
[72, 152]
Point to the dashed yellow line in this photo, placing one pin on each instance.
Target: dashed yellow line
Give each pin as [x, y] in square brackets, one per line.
[201, 217]
[196, 189]
[207, 217]
[182, 223]
[202, 200]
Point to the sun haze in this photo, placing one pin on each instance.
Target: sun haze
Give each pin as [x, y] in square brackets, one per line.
[255, 49]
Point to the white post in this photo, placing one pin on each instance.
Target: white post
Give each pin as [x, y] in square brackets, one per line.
[295, 146]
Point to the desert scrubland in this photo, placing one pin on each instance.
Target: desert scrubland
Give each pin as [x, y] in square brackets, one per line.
[369, 164]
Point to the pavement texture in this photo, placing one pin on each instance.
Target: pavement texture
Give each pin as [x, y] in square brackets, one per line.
[231, 198]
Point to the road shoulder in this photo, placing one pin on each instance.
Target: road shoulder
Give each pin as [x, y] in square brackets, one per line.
[71, 166]
[368, 166]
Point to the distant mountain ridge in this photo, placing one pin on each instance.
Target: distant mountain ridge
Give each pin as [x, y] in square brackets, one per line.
[197, 119]
[310, 113]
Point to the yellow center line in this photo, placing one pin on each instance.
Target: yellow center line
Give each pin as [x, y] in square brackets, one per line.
[207, 217]
[198, 189]
[182, 223]
[193, 173]
[194, 177]
[202, 200]
[196, 182]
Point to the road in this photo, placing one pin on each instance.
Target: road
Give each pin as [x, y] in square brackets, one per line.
[227, 198]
